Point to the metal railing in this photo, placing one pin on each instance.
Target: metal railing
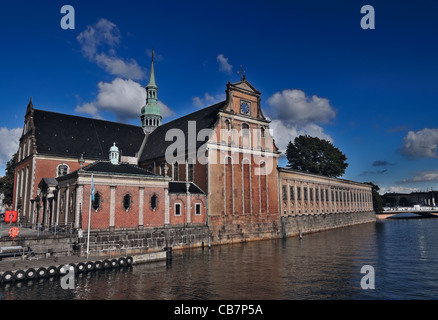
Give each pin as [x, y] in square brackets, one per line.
[28, 229]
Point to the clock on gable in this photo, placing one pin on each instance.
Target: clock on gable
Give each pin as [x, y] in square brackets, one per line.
[245, 107]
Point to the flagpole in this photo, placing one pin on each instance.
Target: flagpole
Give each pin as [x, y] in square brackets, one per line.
[89, 217]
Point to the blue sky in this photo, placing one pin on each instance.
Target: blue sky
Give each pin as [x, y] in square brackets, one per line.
[373, 93]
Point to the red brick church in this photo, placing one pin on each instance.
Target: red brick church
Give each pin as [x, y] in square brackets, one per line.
[216, 167]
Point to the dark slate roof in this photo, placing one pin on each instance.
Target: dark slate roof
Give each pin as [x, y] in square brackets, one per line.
[180, 187]
[67, 135]
[156, 143]
[48, 182]
[122, 168]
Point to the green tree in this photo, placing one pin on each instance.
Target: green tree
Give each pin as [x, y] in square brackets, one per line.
[7, 181]
[315, 155]
[377, 198]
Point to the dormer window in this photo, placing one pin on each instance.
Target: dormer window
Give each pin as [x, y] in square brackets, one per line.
[62, 170]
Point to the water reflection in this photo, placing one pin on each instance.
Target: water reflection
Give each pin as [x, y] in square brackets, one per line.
[323, 265]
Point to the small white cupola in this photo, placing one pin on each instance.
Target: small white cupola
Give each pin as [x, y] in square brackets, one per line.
[114, 154]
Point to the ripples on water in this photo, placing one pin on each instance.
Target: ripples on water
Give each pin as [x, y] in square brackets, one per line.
[325, 265]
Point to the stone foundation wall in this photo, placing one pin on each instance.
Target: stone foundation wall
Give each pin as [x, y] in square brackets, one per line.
[293, 225]
[132, 242]
[241, 228]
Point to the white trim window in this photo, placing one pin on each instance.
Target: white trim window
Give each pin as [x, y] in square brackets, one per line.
[197, 209]
[62, 170]
[177, 211]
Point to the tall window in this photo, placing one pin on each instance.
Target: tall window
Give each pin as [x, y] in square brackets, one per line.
[177, 209]
[154, 202]
[97, 201]
[245, 129]
[127, 202]
[227, 125]
[198, 209]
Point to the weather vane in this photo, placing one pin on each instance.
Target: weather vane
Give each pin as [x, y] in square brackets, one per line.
[242, 73]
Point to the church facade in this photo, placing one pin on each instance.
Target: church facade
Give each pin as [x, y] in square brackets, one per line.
[216, 168]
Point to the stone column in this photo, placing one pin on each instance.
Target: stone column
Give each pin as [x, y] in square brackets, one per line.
[112, 216]
[140, 207]
[189, 205]
[166, 206]
[58, 198]
[66, 203]
[295, 198]
[78, 208]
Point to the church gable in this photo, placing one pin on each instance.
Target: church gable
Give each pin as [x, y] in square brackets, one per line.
[243, 99]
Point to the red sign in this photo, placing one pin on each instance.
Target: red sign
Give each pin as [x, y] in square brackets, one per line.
[11, 216]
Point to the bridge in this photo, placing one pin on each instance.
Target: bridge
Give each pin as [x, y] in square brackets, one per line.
[427, 212]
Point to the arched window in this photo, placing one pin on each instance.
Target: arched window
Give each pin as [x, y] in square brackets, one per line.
[127, 202]
[154, 202]
[227, 125]
[62, 170]
[97, 201]
[245, 129]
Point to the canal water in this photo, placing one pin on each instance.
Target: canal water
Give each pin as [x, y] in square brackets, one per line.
[321, 266]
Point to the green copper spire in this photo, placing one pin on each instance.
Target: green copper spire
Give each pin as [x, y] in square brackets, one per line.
[152, 83]
[151, 112]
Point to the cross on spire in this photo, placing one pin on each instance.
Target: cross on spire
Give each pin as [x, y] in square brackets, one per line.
[242, 73]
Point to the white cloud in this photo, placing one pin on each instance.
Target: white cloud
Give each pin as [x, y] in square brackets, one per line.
[295, 107]
[224, 65]
[420, 144]
[421, 176]
[99, 42]
[283, 132]
[207, 100]
[296, 114]
[397, 189]
[119, 67]
[9, 142]
[124, 98]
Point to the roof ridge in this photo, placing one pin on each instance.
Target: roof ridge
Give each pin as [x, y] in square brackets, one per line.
[194, 112]
[82, 117]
